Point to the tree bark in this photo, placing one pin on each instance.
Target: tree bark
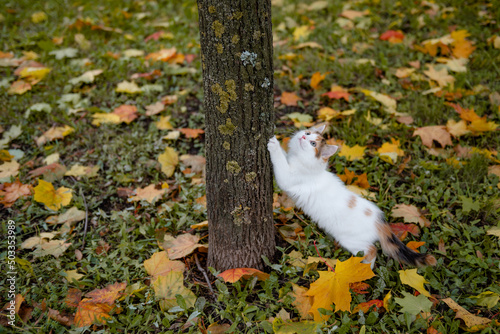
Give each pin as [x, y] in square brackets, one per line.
[236, 47]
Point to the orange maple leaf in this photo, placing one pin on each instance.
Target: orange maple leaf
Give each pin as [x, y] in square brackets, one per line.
[11, 192]
[107, 295]
[316, 78]
[415, 245]
[233, 275]
[365, 307]
[289, 99]
[357, 180]
[191, 133]
[127, 113]
[333, 287]
[401, 230]
[89, 313]
[393, 36]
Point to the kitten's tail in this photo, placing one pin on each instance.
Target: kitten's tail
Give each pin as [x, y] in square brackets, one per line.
[393, 247]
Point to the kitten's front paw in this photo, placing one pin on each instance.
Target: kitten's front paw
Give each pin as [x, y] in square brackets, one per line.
[273, 145]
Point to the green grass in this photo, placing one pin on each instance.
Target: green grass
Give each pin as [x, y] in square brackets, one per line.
[461, 203]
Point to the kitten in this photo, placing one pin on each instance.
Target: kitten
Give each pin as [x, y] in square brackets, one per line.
[353, 221]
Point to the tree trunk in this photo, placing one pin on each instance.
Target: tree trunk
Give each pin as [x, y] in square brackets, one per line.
[236, 46]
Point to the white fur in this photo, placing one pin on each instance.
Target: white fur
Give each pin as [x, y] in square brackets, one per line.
[322, 195]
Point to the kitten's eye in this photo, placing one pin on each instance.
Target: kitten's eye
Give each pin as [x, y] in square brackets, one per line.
[313, 143]
[308, 133]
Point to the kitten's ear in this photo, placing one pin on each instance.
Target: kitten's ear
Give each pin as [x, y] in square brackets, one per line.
[319, 129]
[328, 150]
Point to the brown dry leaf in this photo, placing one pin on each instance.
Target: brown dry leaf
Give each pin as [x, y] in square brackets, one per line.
[50, 172]
[154, 108]
[11, 192]
[19, 87]
[442, 77]
[302, 301]
[73, 297]
[471, 321]
[160, 265]
[181, 246]
[352, 14]
[149, 194]
[79, 170]
[199, 226]
[195, 162]
[8, 169]
[64, 319]
[410, 214]
[54, 247]
[289, 99]
[58, 132]
[107, 295]
[430, 133]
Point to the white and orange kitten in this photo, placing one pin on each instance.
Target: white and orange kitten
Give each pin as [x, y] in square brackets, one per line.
[353, 221]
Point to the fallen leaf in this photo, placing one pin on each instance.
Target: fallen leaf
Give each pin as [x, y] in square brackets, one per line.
[38, 17]
[391, 151]
[168, 160]
[191, 133]
[302, 327]
[58, 132]
[195, 162]
[127, 113]
[50, 172]
[300, 119]
[471, 321]
[301, 32]
[333, 287]
[302, 302]
[352, 14]
[149, 194]
[401, 230]
[8, 169]
[388, 102]
[316, 78]
[108, 294]
[160, 265]
[289, 99]
[393, 36]
[352, 178]
[337, 92]
[327, 114]
[103, 118]
[53, 247]
[73, 297]
[162, 55]
[72, 215]
[367, 306]
[457, 129]
[200, 225]
[86, 78]
[487, 298]
[410, 214]
[414, 305]
[164, 123]
[88, 313]
[482, 125]
[233, 275]
[442, 77]
[430, 133]
[73, 275]
[128, 87]
[11, 192]
[19, 87]
[168, 286]
[154, 108]
[352, 153]
[79, 170]
[54, 199]
[181, 246]
[413, 279]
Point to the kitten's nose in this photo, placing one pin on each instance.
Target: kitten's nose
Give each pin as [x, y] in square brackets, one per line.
[303, 137]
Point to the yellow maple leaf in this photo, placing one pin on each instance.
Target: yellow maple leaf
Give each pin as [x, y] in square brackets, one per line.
[352, 153]
[34, 74]
[54, 199]
[390, 151]
[164, 123]
[327, 113]
[301, 32]
[457, 129]
[38, 17]
[316, 79]
[411, 278]
[160, 265]
[333, 287]
[168, 160]
[481, 125]
[302, 302]
[168, 286]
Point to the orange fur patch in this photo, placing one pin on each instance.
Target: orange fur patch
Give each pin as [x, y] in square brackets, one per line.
[352, 202]
[371, 254]
[385, 235]
[368, 212]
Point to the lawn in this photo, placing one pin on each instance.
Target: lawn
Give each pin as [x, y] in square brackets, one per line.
[102, 168]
